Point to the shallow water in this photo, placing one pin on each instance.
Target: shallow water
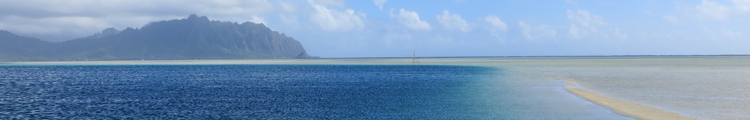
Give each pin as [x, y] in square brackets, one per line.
[284, 92]
[703, 87]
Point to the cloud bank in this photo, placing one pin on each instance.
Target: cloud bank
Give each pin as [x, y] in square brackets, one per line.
[57, 20]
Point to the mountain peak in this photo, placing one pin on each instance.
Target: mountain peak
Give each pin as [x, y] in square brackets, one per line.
[110, 31]
[194, 17]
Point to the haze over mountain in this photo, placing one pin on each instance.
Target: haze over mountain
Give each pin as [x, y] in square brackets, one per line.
[192, 38]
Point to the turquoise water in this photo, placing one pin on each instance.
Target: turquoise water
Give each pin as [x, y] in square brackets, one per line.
[283, 92]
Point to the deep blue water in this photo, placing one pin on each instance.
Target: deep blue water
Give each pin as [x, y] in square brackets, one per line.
[276, 92]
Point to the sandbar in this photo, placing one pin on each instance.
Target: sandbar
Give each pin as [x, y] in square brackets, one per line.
[626, 108]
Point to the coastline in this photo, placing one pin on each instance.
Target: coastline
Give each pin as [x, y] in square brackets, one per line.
[626, 108]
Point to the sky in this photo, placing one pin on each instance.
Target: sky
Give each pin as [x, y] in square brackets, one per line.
[429, 28]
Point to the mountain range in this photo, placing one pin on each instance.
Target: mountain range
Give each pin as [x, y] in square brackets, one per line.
[191, 38]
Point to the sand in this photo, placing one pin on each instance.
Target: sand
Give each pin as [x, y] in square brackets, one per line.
[634, 110]
[702, 87]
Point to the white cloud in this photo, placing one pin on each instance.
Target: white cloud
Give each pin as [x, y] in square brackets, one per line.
[525, 29]
[536, 32]
[334, 20]
[586, 24]
[330, 3]
[743, 5]
[411, 20]
[617, 34]
[671, 19]
[717, 11]
[713, 10]
[496, 23]
[453, 21]
[585, 19]
[379, 3]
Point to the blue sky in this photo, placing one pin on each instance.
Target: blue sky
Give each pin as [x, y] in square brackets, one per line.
[396, 28]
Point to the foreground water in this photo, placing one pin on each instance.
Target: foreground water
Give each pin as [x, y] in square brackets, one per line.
[283, 92]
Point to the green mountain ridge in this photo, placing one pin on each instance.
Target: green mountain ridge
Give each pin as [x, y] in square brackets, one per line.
[191, 38]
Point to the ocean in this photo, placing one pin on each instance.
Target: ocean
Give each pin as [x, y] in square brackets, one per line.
[283, 92]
